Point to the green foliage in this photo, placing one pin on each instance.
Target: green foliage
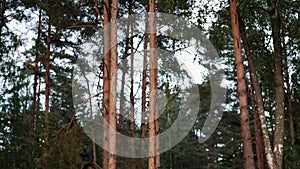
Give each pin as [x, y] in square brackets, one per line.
[65, 149]
[221, 150]
[255, 16]
[22, 145]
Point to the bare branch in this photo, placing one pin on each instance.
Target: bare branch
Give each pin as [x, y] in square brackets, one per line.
[83, 26]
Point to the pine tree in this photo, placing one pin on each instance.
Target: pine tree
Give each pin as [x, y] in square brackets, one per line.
[154, 157]
[242, 90]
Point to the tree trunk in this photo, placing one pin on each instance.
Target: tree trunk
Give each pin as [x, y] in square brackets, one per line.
[242, 91]
[35, 83]
[113, 86]
[47, 90]
[106, 79]
[255, 96]
[154, 157]
[258, 132]
[144, 80]
[278, 82]
[36, 71]
[132, 122]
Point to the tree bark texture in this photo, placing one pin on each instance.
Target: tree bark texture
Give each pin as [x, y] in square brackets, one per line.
[242, 90]
[113, 86]
[256, 99]
[106, 79]
[278, 83]
[154, 157]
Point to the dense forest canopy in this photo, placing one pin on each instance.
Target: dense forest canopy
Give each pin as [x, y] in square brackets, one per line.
[149, 84]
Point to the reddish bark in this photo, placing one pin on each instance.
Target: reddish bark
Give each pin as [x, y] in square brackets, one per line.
[106, 81]
[112, 162]
[154, 157]
[242, 90]
[255, 95]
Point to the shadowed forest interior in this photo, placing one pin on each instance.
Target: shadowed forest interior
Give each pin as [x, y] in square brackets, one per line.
[174, 84]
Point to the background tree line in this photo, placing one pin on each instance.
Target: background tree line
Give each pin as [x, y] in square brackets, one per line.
[40, 44]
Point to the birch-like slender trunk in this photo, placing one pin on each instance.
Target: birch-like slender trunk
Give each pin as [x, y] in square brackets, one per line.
[278, 84]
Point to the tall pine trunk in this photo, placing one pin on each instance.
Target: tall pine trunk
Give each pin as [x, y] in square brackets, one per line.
[106, 79]
[256, 98]
[47, 90]
[154, 157]
[260, 108]
[112, 163]
[242, 90]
